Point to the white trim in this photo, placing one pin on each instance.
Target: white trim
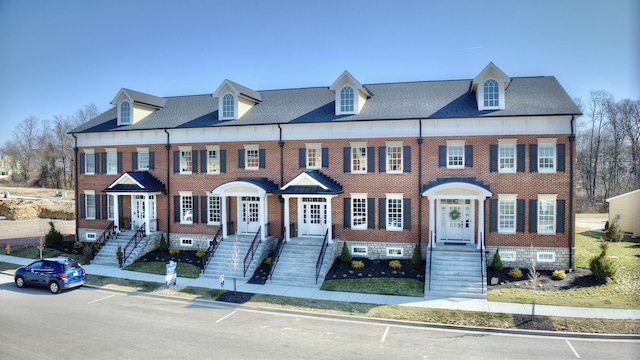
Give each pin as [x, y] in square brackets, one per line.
[395, 249]
[508, 255]
[363, 226]
[548, 142]
[215, 148]
[457, 144]
[184, 240]
[247, 148]
[622, 195]
[545, 253]
[359, 253]
[508, 197]
[318, 148]
[547, 197]
[359, 144]
[394, 144]
[90, 236]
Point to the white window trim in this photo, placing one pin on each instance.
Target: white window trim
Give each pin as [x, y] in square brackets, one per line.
[86, 204]
[511, 143]
[182, 195]
[110, 209]
[359, 247]
[184, 242]
[247, 148]
[318, 148]
[394, 249]
[114, 153]
[209, 222]
[361, 196]
[547, 197]
[235, 106]
[355, 100]
[456, 143]
[500, 95]
[89, 153]
[215, 148]
[90, 236]
[182, 149]
[545, 252]
[508, 197]
[394, 196]
[366, 156]
[507, 255]
[390, 144]
[120, 122]
[142, 151]
[552, 142]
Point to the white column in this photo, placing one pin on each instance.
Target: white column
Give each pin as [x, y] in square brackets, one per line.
[481, 224]
[263, 215]
[329, 221]
[287, 221]
[223, 216]
[432, 222]
[147, 226]
[116, 212]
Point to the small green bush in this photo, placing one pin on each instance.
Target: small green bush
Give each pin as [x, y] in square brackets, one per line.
[78, 245]
[267, 261]
[416, 259]
[174, 251]
[163, 247]
[395, 264]
[515, 273]
[97, 247]
[614, 232]
[345, 257]
[558, 275]
[496, 264]
[357, 264]
[53, 237]
[601, 266]
[200, 253]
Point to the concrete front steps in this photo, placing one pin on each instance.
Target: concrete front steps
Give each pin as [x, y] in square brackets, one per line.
[107, 255]
[297, 263]
[456, 271]
[220, 264]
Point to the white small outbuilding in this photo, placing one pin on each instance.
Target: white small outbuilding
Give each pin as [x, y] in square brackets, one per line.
[626, 208]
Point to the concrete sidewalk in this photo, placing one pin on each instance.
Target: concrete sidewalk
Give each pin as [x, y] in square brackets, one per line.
[315, 293]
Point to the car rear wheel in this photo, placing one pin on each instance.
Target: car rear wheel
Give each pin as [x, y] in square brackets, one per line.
[20, 282]
[54, 287]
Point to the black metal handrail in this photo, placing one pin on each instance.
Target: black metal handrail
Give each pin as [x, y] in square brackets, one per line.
[276, 254]
[430, 256]
[325, 243]
[99, 243]
[208, 255]
[267, 229]
[252, 250]
[135, 240]
[483, 266]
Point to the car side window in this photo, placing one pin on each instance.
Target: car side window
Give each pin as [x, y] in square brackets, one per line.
[37, 265]
[47, 265]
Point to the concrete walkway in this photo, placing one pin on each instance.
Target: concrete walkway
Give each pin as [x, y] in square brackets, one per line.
[315, 293]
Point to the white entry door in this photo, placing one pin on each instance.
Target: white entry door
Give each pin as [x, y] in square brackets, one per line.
[314, 217]
[138, 211]
[456, 220]
[249, 221]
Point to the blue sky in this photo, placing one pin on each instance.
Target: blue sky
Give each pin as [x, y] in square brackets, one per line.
[57, 56]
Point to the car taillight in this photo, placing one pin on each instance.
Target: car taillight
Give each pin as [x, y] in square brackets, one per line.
[63, 276]
[84, 272]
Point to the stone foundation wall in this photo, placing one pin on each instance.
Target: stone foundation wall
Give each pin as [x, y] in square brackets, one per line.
[377, 250]
[199, 241]
[152, 243]
[524, 255]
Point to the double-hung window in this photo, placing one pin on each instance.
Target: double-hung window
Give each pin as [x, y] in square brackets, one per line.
[110, 207]
[186, 207]
[112, 161]
[359, 211]
[394, 157]
[546, 155]
[507, 156]
[213, 159]
[186, 160]
[394, 212]
[507, 213]
[547, 214]
[455, 154]
[251, 157]
[143, 159]
[359, 158]
[314, 156]
[90, 204]
[214, 210]
[89, 162]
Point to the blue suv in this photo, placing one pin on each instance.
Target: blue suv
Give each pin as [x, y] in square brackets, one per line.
[56, 274]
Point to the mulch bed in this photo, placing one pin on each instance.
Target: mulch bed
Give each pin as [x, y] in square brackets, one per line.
[234, 297]
[260, 275]
[375, 269]
[539, 322]
[184, 256]
[67, 248]
[579, 278]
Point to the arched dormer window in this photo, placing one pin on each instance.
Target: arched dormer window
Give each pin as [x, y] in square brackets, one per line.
[346, 100]
[228, 106]
[125, 113]
[491, 93]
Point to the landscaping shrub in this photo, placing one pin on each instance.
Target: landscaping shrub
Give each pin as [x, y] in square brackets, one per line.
[558, 274]
[78, 245]
[614, 233]
[53, 237]
[395, 264]
[174, 251]
[200, 253]
[357, 264]
[601, 266]
[416, 259]
[515, 273]
[345, 257]
[163, 244]
[97, 247]
[496, 264]
[267, 261]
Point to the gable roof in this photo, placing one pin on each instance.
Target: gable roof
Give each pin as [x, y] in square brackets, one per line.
[136, 181]
[239, 90]
[141, 98]
[311, 182]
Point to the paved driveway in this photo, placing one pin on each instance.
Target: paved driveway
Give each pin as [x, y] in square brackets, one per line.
[22, 232]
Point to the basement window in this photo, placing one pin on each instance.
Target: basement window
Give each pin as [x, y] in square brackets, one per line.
[359, 251]
[90, 236]
[394, 252]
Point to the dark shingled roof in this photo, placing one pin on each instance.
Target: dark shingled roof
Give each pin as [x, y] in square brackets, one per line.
[149, 183]
[266, 184]
[146, 99]
[332, 186]
[525, 96]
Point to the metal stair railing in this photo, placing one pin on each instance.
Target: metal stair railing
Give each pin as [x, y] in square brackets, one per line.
[135, 240]
[483, 266]
[325, 243]
[208, 255]
[430, 257]
[276, 255]
[252, 250]
[101, 241]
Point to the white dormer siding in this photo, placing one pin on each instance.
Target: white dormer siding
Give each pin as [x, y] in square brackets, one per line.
[243, 99]
[131, 108]
[346, 87]
[490, 86]
[140, 112]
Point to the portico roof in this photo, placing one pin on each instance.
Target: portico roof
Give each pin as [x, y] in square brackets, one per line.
[136, 181]
[311, 182]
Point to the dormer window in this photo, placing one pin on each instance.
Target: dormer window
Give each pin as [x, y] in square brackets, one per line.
[125, 113]
[491, 94]
[346, 100]
[228, 106]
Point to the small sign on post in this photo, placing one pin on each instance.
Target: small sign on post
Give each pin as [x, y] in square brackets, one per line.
[171, 273]
[222, 281]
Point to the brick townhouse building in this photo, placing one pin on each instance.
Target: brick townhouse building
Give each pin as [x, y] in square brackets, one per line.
[469, 165]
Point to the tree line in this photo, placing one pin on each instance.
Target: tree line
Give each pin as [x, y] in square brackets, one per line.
[41, 151]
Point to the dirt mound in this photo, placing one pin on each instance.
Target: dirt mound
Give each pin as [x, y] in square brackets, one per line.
[25, 209]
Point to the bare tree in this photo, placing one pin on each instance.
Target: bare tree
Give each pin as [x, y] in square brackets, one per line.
[85, 114]
[234, 262]
[534, 277]
[630, 124]
[23, 148]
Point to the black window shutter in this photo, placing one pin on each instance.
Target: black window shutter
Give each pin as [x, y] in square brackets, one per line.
[302, 157]
[520, 205]
[194, 161]
[176, 208]
[262, 158]
[325, 157]
[533, 215]
[442, 155]
[97, 205]
[103, 164]
[152, 160]
[406, 214]
[119, 162]
[223, 161]
[83, 211]
[406, 158]
[134, 161]
[204, 158]
[560, 215]
[195, 209]
[203, 209]
[533, 157]
[371, 159]
[493, 215]
[120, 207]
[176, 161]
[81, 163]
[105, 213]
[371, 210]
[346, 152]
[382, 158]
[468, 155]
[520, 160]
[560, 150]
[382, 213]
[347, 212]
[240, 158]
[493, 159]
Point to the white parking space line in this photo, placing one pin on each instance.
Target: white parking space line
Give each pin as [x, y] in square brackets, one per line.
[224, 317]
[572, 349]
[384, 336]
[104, 298]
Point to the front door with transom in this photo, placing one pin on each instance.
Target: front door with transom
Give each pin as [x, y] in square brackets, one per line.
[249, 221]
[313, 217]
[138, 211]
[456, 220]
